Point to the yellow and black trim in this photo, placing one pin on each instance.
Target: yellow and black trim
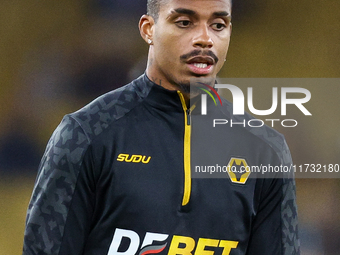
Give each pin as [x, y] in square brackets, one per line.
[187, 151]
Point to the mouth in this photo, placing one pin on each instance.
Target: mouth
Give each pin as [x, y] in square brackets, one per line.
[201, 65]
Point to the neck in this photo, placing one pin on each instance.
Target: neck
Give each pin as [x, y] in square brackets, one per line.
[159, 78]
[166, 85]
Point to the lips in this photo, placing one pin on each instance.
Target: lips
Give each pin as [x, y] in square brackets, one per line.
[202, 60]
[201, 65]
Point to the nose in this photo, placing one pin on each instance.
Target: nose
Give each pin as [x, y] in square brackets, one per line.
[202, 37]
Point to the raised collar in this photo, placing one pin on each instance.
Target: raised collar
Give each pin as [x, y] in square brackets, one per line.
[159, 97]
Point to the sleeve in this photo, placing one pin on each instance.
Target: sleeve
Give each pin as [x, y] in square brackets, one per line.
[275, 225]
[55, 205]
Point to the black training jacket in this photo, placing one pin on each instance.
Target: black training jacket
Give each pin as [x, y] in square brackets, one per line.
[130, 173]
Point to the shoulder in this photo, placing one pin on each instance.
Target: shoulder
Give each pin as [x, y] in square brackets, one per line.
[274, 139]
[259, 130]
[101, 112]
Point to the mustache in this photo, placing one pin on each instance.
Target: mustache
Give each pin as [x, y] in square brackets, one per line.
[196, 53]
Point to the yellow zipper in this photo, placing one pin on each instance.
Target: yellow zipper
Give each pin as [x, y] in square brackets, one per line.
[187, 156]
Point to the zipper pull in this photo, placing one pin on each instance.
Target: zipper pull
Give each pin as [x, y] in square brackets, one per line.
[188, 117]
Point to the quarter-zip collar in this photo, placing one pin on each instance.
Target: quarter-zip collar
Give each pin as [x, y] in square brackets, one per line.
[159, 97]
[173, 101]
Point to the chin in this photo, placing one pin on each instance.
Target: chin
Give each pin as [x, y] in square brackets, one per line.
[184, 86]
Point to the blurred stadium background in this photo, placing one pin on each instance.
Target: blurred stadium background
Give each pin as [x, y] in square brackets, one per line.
[55, 56]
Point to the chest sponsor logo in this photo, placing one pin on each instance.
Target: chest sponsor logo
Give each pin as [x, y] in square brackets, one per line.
[154, 243]
[133, 158]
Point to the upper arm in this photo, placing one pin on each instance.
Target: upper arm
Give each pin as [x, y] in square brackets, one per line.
[275, 225]
[61, 169]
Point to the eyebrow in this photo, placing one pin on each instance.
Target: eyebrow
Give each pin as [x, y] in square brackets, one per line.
[222, 14]
[184, 11]
[193, 13]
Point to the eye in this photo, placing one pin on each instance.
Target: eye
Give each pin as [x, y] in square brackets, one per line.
[218, 26]
[183, 23]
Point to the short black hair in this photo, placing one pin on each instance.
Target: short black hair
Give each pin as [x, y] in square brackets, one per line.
[154, 6]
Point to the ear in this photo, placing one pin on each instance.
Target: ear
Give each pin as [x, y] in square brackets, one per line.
[146, 28]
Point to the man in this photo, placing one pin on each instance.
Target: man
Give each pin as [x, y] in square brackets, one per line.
[116, 175]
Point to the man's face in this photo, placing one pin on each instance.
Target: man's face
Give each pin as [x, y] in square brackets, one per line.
[190, 39]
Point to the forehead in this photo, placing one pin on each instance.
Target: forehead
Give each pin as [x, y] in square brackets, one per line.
[199, 6]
